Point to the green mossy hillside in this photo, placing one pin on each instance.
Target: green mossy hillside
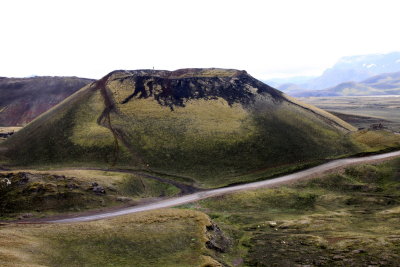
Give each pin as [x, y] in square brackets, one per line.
[215, 127]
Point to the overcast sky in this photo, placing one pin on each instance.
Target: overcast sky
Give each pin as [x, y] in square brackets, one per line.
[267, 38]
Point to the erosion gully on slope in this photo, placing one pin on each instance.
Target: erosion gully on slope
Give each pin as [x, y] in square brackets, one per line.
[105, 121]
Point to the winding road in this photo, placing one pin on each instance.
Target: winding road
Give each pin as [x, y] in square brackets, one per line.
[335, 164]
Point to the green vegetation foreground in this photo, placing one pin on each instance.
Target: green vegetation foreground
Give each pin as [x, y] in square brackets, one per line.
[346, 219]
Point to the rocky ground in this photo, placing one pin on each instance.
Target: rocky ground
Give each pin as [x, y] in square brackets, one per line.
[345, 219]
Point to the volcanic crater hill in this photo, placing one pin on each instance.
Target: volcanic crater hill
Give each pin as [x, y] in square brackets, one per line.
[23, 99]
[209, 127]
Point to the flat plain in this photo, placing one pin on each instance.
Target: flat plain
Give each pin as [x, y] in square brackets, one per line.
[364, 110]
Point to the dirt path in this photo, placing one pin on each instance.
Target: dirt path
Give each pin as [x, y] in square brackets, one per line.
[312, 172]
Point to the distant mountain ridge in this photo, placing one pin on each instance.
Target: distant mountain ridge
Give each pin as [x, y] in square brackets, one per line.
[347, 69]
[23, 99]
[357, 68]
[382, 84]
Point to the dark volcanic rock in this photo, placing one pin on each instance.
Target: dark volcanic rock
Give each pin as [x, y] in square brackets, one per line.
[99, 190]
[174, 88]
[217, 240]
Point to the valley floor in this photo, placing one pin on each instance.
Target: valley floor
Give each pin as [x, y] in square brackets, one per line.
[367, 110]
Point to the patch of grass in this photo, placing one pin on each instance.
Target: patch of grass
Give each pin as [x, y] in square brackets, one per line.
[157, 238]
[263, 201]
[376, 140]
[87, 132]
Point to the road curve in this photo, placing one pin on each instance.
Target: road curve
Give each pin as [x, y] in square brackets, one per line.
[221, 191]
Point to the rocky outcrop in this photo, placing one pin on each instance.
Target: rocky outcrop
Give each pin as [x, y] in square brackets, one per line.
[97, 189]
[217, 241]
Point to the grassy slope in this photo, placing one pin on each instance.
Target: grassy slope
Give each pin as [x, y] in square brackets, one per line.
[345, 219]
[67, 134]
[158, 238]
[322, 113]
